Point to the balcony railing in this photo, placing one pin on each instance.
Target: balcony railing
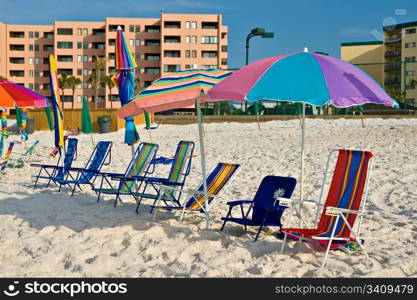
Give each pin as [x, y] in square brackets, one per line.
[391, 81]
[393, 38]
[392, 53]
[392, 67]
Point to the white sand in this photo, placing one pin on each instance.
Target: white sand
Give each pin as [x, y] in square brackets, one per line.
[46, 233]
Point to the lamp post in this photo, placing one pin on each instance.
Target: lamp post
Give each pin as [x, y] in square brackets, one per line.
[256, 32]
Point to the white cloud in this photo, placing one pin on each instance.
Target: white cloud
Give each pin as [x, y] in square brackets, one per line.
[356, 31]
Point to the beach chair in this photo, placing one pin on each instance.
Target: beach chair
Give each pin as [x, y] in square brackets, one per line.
[155, 126]
[87, 175]
[217, 179]
[139, 166]
[24, 158]
[180, 169]
[265, 207]
[56, 171]
[345, 202]
[6, 157]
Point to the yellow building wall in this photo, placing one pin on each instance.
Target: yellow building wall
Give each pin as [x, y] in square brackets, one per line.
[365, 54]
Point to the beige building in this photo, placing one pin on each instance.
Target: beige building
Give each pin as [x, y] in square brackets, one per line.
[172, 42]
[391, 62]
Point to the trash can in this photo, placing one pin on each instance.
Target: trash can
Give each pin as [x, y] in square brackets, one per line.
[30, 125]
[104, 123]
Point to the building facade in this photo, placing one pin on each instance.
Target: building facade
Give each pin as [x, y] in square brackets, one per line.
[172, 42]
[391, 62]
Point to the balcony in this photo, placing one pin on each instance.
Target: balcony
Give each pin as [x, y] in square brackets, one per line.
[392, 81]
[17, 60]
[17, 34]
[393, 53]
[172, 24]
[392, 67]
[15, 47]
[393, 38]
[172, 39]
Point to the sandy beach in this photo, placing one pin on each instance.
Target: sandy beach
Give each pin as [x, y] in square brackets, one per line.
[44, 233]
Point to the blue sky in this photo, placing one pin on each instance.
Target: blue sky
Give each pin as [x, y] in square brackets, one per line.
[320, 25]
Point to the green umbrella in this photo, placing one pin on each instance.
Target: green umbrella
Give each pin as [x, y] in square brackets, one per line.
[86, 124]
[49, 117]
[19, 117]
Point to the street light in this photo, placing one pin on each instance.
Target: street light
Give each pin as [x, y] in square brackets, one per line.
[256, 32]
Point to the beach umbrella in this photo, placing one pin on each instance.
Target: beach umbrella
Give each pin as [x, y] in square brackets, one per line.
[86, 124]
[306, 78]
[13, 95]
[3, 135]
[56, 104]
[178, 90]
[23, 132]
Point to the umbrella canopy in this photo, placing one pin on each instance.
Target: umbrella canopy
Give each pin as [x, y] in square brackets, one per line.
[125, 80]
[56, 104]
[86, 124]
[302, 77]
[173, 90]
[12, 94]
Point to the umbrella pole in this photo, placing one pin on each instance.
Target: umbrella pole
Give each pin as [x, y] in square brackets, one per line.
[363, 123]
[132, 148]
[303, 118]
[203, 161]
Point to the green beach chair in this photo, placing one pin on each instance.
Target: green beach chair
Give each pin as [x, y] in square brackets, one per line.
[24, 158]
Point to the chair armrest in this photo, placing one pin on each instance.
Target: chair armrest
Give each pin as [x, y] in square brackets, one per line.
[151, 179]
[288, 202]
[335, 211]
[44, 166]
[122, 178]
[111, 174]
[189, 191]
[239, 202]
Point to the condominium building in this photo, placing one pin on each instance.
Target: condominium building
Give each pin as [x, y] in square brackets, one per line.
[391, 62]
[172, 42]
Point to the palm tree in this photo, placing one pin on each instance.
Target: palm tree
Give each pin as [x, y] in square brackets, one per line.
[108, 81]
[96, 76]
[3, 78]
[62, 83]
[73, 82]
[137, 85]
[412, 83]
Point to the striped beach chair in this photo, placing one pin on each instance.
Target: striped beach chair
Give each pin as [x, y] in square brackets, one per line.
[139, 166]
[345, 202]
[87, 175]
[180, 169]
[24, 157]
[196, 203]
[6, 157]
[56, 170]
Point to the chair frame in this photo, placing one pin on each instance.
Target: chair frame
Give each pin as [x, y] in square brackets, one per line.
[331, 211]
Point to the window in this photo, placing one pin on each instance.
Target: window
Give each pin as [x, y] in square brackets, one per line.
[112, 56]
[224, 61]
[46, 60]
[152, 43]
[187, 39]
[67, 98]
[85, 58]
[172, 68]
[66, 71]
[64, 31]
[209, 54]
[172, 39]
[410, 73]
[99, 32]
[112, 70]
[79, 45]
[137, 43]
[172, 53]
[193, 39]
[30, 60]
[172, 24]
[79, 72]
[79, 99]
[64, 45]
[30, 47]
[31, 86]
[64, 58]
[30, 73]
[209, 39]
[85, 72]
[187, 53]
[36, 34]
[410, 58]
[79, 31]
[194, 54]
[193, 25]
[187, 67]
[131, 42]
[152, 28]
[98, 46]
[152, 70]
[85, 45]
[410, 31]
[137, 28]
[17, 60]
[209, 66]
[45, 86]
[37, 73]
[209, 25]
[48, 47]
[46, 73]
[36, 86]
[152, 56]
[31, 34]
[187, 25]
[85, 31]
[224, 48]
[17, 34]
[36, 47]
[17, 73]
[17, 47]
[137, 56]
[112, 42]
[101, 99]
[85, 85]
[131, 28]
[410, 45]
[79, 58]
[48, 35]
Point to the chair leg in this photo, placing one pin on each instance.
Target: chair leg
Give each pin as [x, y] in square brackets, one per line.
[330, 243]
[257, 234]
[228, 214]
[355, 236]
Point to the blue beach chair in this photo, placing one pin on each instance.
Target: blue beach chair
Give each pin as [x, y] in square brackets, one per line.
[217, 179]
[139, 166]
[56, 170]
[180, 169]
[265, 207]
[87, 175]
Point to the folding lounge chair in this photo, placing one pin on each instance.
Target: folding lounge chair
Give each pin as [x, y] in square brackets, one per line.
[217, 179]
[265, 207]
[155, 126]
[56, 170]
[139, 166]
[7, 157]
[24, 157]
[343, 204]
[180, 169]
[87, 175]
